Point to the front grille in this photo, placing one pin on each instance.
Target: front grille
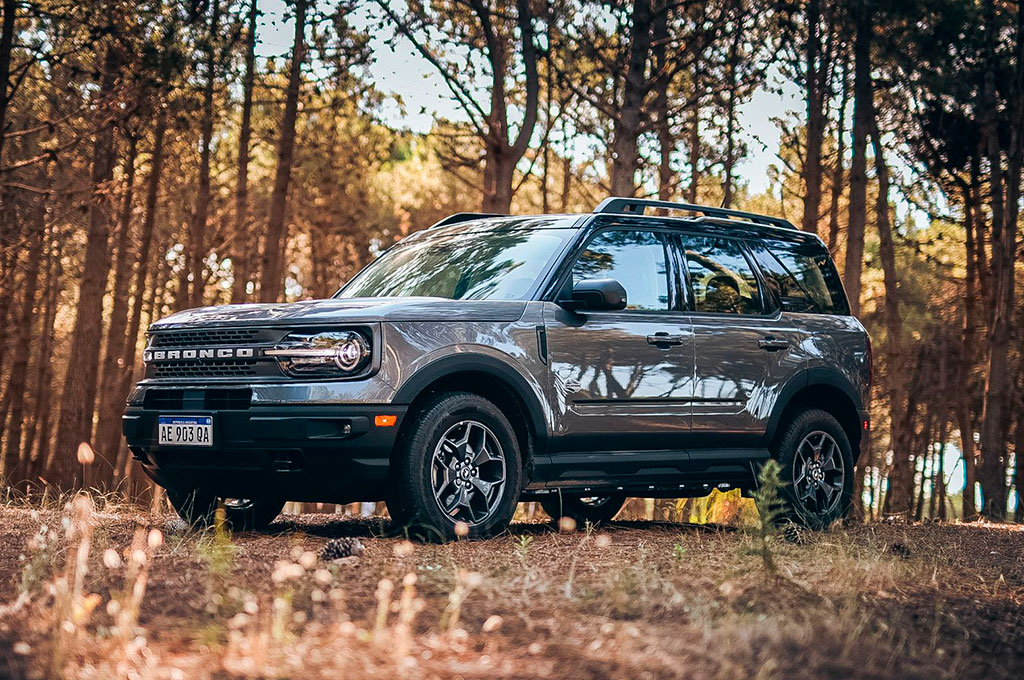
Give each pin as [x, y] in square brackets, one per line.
[206, 368]
[218, 399]
[223, 336]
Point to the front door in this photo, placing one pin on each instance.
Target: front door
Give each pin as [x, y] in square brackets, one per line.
[621, 380]
[744, 350]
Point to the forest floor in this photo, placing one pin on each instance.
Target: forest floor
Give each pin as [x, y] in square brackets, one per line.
[628, 600]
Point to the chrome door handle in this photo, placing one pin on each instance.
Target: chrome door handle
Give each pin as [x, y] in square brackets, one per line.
[664, 340]
[770, 343]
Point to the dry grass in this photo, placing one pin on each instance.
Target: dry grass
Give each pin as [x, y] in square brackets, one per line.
[102, 595]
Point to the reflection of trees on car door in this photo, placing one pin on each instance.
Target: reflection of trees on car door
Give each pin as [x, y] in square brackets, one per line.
[614, 374]
[744, 350]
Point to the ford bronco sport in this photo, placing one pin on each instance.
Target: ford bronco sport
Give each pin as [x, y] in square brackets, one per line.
[574, 360]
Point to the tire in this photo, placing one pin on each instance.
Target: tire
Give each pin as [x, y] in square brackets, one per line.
[583, 509]
[199, 509]
[817, 469]
[459, 461]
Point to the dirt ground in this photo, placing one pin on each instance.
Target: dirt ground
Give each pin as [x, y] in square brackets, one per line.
[629, 600]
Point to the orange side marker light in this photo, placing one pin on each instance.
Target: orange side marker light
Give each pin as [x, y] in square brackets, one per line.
[385, 421]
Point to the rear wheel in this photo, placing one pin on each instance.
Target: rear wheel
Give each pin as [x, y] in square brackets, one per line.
[460, 465]
[199, 508]
[817, 467]
[593, 509]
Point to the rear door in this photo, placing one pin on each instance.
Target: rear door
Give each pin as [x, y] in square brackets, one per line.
[745, 349]
[622, 379]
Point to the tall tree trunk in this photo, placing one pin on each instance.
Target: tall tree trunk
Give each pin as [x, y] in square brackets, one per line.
[39, 426]
[815, 95]
[730, 124]
[692, 192]
[242, 247]
[126, 367]
[965, 401]
[108, 428]
[17, 382]
[626, 127]
[190, 282]
[8, 226]
[563, 198]
[272, 276]
[901, 479]
[862, 93]
[78, 399]
[663, 126]
[995, 411]
[6, 45]
[838, 170]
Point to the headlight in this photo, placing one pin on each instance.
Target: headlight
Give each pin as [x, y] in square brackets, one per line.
[330, 354]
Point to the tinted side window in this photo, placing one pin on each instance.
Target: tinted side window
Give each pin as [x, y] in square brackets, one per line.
[806, 278]
[636, 259]
[720, 275]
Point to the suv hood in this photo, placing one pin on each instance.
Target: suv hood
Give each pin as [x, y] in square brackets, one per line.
[345, 311]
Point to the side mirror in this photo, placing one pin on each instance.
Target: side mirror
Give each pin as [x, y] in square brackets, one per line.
[596, 295]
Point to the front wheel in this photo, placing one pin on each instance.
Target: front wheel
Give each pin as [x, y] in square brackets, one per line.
[816, 462]
[199, 508]
[459, 468]
[583, 509]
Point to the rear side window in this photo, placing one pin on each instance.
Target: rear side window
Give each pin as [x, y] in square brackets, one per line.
[722, 279]
[801, 275]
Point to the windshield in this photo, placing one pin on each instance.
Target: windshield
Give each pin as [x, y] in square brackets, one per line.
[469, 265]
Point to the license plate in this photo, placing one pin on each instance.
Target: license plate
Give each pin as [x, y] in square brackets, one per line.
[185, 430]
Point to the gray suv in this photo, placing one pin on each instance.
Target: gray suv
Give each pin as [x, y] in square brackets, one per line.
[572, 360]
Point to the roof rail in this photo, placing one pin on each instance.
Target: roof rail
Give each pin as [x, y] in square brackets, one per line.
[636, 206]
[463, 217]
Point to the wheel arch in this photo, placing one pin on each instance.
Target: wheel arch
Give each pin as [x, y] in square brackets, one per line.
[493, 380]
[824, 389]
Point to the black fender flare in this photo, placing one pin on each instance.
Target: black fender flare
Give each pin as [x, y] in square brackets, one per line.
[478, 363]
[818, 375]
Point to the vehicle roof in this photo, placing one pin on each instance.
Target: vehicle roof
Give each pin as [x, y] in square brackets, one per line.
[719, 226]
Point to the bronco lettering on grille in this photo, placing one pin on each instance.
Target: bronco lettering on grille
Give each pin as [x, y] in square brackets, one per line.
[151, 355]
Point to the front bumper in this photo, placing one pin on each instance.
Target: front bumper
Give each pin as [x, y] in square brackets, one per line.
[300, 452]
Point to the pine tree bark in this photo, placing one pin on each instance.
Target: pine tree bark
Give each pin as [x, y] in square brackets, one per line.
[900, 495]
[190, 282]
[995, 410]
[7, 225]
[663, 126]
[862, 93]
[78, 398]
[626, 127]
[502, 155]
[693, 190]
[126, 367]
[17, 383]
[965, 403]
[111, 394]
[838, 169]
[815, 95]
[10, 8]
[272, 275]
[37, 434]
[240, 261]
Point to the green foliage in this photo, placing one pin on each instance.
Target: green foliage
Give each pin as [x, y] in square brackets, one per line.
[770, 511]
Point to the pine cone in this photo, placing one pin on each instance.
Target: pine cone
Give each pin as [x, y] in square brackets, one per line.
[340, 548]
[176, 526]
[794, 534]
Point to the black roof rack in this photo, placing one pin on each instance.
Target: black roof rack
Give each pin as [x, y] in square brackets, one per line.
[464, 217]
[636, 206]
